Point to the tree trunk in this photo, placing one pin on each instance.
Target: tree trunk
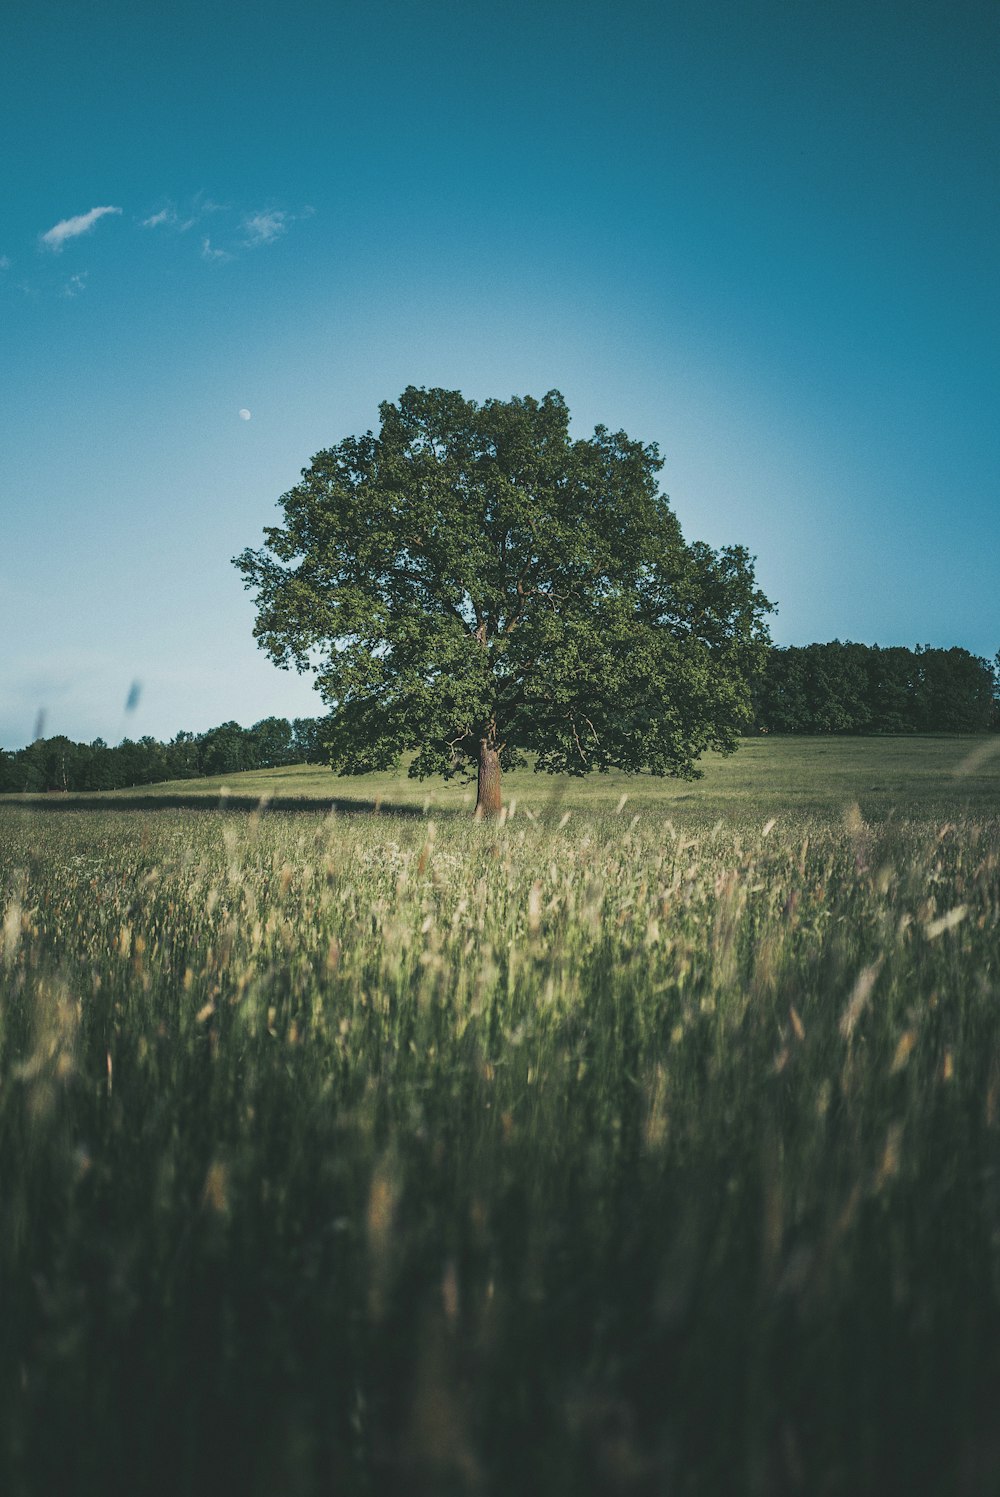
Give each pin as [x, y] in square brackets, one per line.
[488, 796]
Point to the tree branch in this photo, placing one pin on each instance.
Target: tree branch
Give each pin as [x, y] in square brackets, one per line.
[579, 745]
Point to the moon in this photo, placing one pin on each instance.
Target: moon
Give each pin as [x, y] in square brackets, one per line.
[244, 414]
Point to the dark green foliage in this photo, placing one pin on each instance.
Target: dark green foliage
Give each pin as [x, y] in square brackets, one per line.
[182, 756]
[273, 742]
[307, 740]
[851, 688]
[51, 764]
[224, 750]
[955, 691]
[472, 575]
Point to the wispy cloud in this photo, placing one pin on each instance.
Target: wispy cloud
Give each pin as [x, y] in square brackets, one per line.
[168, 217]
[5, 262]
[236, 231]
[215, 255]
[264, 227]
[72, 228]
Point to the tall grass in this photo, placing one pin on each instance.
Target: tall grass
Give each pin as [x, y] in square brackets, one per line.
[600, 1153]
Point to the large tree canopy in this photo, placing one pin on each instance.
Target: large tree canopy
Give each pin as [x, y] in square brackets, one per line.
[472, 583]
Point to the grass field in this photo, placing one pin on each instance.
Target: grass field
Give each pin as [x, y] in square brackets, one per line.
[644, 1148]
[886, 777]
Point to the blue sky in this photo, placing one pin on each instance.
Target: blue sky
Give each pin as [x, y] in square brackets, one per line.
[763, 235]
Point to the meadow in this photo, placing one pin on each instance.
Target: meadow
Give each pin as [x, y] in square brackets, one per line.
[647, 1142]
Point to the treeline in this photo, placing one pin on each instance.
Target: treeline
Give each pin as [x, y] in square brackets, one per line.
[822, 688]
[60, 764]
[848, 688]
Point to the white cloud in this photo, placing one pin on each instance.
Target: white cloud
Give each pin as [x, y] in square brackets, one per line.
[263, 228]
[5, 262]
[216, 255]
[72, 228]
[201, 203]
[76, 284]
[168, 217]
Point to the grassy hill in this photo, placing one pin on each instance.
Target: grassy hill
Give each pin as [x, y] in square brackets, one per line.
[942, 775]
[616, 1149]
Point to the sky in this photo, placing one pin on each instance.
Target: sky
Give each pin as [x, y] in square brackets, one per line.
[762, 233]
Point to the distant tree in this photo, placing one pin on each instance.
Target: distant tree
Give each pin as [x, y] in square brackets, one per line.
[57, 758]
[850, 688]
[224, 750]
[472, 583]
[154, 764]
[59, 763]
[98, 773]
[131, 760]
[182, 757]
[840, 687]
[271, 743]
[8, 772]
[780, 701]
[308, 740]
[954, 691]
[891, 685]
[31, 767]
[819, 688]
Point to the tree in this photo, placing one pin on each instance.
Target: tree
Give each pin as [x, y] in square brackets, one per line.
[270, 743]
[838, 678]
[307, 740]
[955, 691]
[891, 676]
[9, 779]
[224, 750]
[472, 583]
